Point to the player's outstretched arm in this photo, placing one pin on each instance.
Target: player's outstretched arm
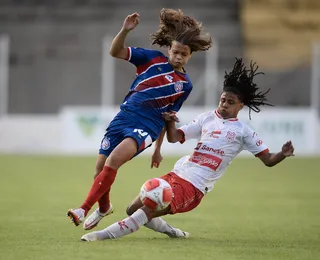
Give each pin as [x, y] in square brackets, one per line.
[271, 159]
[156, 156]
[118, 48]
[173, 134]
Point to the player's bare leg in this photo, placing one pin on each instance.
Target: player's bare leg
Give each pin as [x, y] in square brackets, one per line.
[101, 161]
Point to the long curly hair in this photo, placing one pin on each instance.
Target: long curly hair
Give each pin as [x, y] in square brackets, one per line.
[240, 82]
[175, 26]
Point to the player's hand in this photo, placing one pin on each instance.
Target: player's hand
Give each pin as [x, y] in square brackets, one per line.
[288, 149]
[131, 22]
[156, 159]
[170, 116]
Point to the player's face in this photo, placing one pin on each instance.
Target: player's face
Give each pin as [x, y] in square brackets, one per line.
[179, 55]
[229, 105]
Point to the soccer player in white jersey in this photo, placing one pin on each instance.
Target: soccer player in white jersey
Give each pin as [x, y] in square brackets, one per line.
[221, 137]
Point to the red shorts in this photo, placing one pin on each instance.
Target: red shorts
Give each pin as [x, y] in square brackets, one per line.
[186, 197]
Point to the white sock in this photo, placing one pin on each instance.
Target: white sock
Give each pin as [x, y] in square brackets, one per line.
[124, 227]
[159, 225]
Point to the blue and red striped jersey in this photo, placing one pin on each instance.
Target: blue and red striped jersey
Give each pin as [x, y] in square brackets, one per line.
[157, 88]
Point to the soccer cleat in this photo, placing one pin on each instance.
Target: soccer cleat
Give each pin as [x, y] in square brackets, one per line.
[177, 233]
[186, 234]
[95, 217]
[76, 215]
[90, 237]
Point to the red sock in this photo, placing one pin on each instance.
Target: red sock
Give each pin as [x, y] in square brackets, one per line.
[104, 202]
[100, 186]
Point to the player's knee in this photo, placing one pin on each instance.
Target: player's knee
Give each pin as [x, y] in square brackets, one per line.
[148, 212]
[99, 165]
[115, 161]
[129, 210]
[97, 172]
[159, 213]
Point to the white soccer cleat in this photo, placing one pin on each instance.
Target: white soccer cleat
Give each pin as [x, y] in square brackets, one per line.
[76, 215]
[95, 217]
[90, 237]
[186, 234]
[177, 233]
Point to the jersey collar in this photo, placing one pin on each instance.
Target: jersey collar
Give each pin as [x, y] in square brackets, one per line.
[219, 116]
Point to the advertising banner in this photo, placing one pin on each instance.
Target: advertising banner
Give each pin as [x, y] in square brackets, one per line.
[83, 129]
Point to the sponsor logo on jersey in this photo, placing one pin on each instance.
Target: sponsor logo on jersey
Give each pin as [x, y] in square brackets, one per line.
[206, 160]
[178, 86]
[231, 136]
[198, 146]
[209, 149]
[212, 150]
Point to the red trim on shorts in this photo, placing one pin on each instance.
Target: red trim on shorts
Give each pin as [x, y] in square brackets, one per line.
[142, 146]
[262, 153]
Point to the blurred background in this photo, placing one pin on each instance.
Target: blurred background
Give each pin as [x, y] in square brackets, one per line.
[59, 88]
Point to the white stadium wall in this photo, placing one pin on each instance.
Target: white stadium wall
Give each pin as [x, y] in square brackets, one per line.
[79, 130]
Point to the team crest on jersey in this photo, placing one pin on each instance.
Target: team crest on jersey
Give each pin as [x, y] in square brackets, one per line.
[231, 136]
[105, 144]
[178, 86]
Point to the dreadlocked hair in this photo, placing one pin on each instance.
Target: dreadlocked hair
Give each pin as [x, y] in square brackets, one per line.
[240, 82]
[175, 26]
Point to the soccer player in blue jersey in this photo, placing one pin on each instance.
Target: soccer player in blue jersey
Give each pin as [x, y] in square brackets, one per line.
[161, 85]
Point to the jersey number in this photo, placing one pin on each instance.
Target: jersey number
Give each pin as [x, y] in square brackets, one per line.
[140, 132]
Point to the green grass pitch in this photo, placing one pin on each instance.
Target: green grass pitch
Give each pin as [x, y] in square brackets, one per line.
[254, 212]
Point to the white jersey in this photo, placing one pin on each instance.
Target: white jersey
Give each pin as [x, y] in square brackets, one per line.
[220, 140]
